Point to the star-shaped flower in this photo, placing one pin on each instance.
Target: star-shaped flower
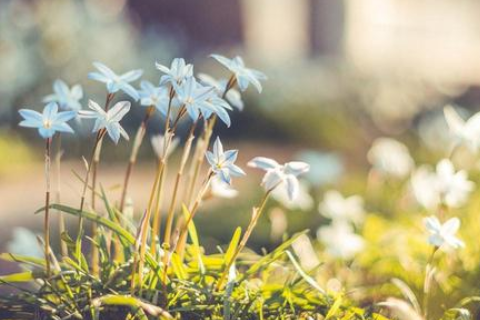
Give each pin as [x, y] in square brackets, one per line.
[66, 98]
[223, 163]
[443, 234]
[48, 122]
[466, 132]
[116, 82]
[232, 96]
[177, 73]
[154, 96]
[243, 75]
[282, 176]
[108, 120]
[199, 99]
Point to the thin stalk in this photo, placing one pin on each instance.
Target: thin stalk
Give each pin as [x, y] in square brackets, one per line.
[193, 210]
[257, 212]
[156, 216]
[173, 202]
[61, 217]
[134, 154]
[153, 192]
[46, 221]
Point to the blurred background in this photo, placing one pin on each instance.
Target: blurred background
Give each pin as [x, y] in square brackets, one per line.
[341, 73]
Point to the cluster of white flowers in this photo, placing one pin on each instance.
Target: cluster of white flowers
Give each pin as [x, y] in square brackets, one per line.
[345, 213]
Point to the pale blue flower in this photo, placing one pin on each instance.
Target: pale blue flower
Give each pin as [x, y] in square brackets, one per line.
[24, 242]
[223, 163]
[116, 82]
[443, 234]
[177, 73]
[280, 176]
[48, 122]
[65, 97]
[232, 96]
[154, 96]
[108, 120]
[325, 167]
[243, 75]
[201, 100]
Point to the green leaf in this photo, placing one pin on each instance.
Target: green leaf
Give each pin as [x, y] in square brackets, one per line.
[335, 307]
[192, 232]
[232, 247]
[304, 275]
[17, 277]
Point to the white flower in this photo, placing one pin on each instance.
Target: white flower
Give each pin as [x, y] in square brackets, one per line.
[390, 157]
[340, 240]
[243, 75]
[108, 120]
[281, 176]
[65, 97]
[443, 234]
[158, 145]
[466, 132]
[443, 186]
[223, 163]
[221, 189]
[304, 200]
[177, 73]
[340, 209]
[232, 95]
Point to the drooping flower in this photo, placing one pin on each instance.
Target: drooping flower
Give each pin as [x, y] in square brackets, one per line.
[108, 120]
[232, 96]
[390, 157]
[444, 186]
[48, 122]
[221, 189]
[158, 145]
[303, 201]
[223, 163]
[340, 241]
[466, 132]
[177, 73]
[154, 96]
[243, 75]
[281, 176]
[65, 97]
[201, 100]
[443, 235]
[116, 82]
[342, 209]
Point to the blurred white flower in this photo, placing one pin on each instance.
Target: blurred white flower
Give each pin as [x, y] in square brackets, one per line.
[340, 209]
[221, 189]
[325, 168]
[466, 132]
[390, 157]
[158, 145]
[340, 241]
[24, 242]
[443, 234]
[304, 200]
[443, 186]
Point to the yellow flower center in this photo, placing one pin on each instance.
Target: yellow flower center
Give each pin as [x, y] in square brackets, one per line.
[47, 124]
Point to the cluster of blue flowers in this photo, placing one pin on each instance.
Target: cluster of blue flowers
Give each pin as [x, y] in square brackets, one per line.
[178, 89]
